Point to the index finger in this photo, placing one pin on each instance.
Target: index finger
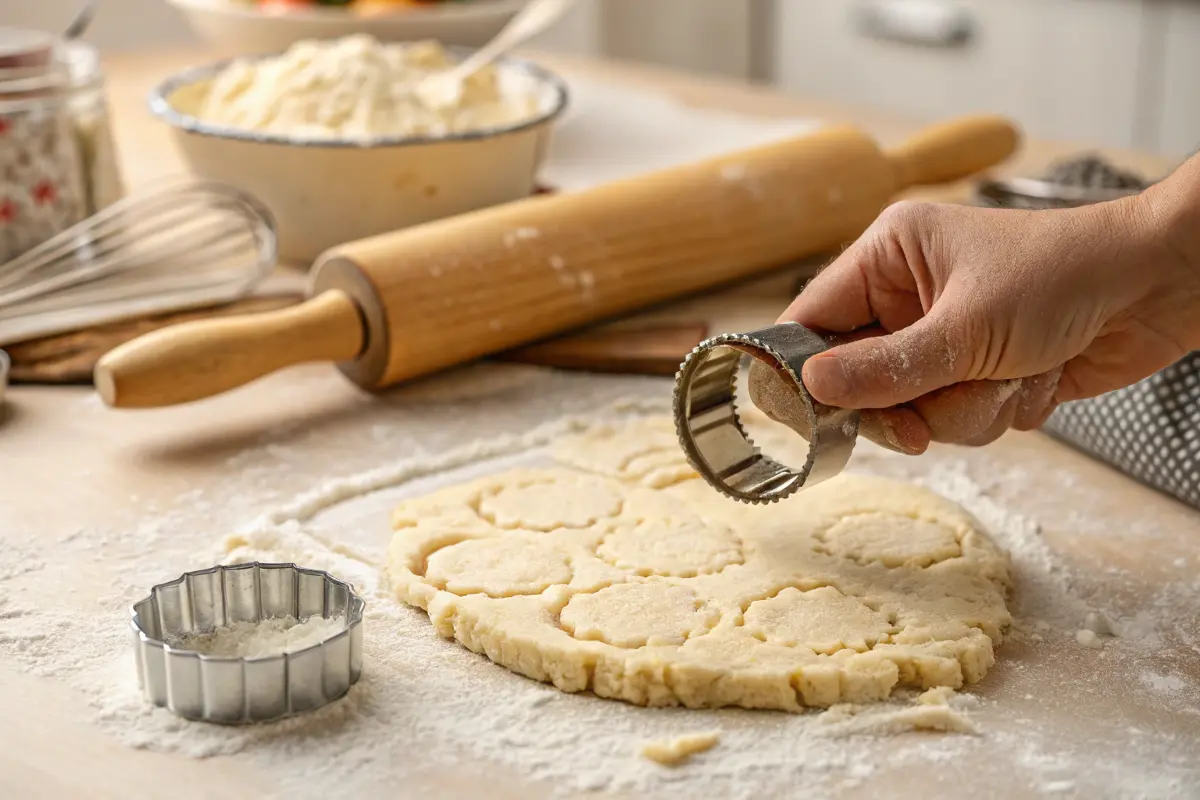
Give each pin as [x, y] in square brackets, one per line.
[837, 299]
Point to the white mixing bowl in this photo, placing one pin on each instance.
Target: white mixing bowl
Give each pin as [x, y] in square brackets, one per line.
[234, 28]
[328, 192]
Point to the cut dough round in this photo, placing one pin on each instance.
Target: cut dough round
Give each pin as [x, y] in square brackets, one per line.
[637, 614]
[824, 620]
[497, 567]
[645, 452]
[548, 502]
[678, 596]
[682, 551]
[892, 540]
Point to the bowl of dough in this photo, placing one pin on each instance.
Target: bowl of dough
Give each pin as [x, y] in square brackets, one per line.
[235, 27]
[339, 141]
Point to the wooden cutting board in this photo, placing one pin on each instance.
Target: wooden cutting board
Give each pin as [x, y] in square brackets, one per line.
[653, 342]
[70, 357]
[652, 349]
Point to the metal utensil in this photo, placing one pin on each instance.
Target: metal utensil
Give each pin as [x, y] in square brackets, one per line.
[1036, 194]
[712, 436]
[82, 21]
[231, 689]
[444, 89]
[178, 245]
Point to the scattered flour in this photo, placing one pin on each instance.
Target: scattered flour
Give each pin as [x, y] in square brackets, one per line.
[733, 172]
[420, 693]
[511, 238]
[1164, 684]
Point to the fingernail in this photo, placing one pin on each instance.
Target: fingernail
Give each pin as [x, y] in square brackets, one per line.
[826, 380]
[901, 442]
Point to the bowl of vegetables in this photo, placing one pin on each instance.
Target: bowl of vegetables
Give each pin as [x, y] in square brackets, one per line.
[237, 27]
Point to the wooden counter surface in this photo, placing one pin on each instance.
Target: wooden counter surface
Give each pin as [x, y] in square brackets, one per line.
[73, 471]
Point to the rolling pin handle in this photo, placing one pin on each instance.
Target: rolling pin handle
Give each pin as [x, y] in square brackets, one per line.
[194, 360]
[953, 150]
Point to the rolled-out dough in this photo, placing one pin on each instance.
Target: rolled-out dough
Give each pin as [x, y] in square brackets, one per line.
[619, 571]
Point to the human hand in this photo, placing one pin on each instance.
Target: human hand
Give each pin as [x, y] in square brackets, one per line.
[962, 322]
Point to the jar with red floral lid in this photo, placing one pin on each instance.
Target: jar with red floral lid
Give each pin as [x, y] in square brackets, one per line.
[57, 161]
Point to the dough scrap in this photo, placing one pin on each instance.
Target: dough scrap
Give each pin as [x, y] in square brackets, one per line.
[937, 696]
[680, 596]
[681, 748]
[858, 720]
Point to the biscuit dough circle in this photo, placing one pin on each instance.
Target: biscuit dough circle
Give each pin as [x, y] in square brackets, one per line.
[844, 593]
[892, 540]
[543, 505]
[633, 615]
[683, 551]
[497, 567]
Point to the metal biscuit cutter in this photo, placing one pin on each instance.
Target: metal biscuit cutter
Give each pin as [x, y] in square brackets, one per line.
[712, 436]
[232, 689]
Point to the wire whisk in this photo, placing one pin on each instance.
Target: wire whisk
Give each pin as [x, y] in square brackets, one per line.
[176, 245]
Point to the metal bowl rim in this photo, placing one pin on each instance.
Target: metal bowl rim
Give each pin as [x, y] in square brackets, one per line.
[160, 107]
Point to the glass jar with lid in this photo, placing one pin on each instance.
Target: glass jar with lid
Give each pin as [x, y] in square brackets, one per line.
[57, 160]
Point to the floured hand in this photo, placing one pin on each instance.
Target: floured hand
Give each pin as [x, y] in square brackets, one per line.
[898, 429]
[964, 322]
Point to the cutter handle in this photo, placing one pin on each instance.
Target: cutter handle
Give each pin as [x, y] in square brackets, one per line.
[194, 360]
[953, 150]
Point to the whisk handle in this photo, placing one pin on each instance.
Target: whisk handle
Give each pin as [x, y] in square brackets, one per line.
[194, 360]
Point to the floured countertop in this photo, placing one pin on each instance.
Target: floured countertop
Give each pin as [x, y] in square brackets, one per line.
[96, 506]
[1054, 717]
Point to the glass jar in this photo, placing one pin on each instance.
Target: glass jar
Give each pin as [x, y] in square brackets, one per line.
[58, 165]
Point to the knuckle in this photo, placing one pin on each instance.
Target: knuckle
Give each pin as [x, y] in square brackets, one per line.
[967, 333]
[906, 214]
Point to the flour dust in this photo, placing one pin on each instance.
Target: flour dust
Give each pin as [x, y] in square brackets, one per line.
[427, 708]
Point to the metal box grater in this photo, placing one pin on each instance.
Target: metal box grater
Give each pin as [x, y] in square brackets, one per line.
[1150, 431]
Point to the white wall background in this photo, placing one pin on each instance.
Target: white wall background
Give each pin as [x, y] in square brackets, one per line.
[130, 24]
[1123, 73]
[120, 24]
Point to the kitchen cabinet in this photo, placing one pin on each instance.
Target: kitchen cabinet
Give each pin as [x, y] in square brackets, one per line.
[712, 37]
[118, 25]
[1062, 68]
[1178, 131]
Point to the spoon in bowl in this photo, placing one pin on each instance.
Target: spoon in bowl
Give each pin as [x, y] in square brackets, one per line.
[444, 89]
[82, 20]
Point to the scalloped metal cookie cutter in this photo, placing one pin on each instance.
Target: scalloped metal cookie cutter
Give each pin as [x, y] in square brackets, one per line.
[231, 689]
[712, 436]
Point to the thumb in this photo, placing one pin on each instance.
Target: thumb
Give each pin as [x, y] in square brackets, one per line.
[885, 371]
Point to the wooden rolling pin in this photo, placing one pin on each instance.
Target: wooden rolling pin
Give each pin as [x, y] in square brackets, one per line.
[409, 303]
